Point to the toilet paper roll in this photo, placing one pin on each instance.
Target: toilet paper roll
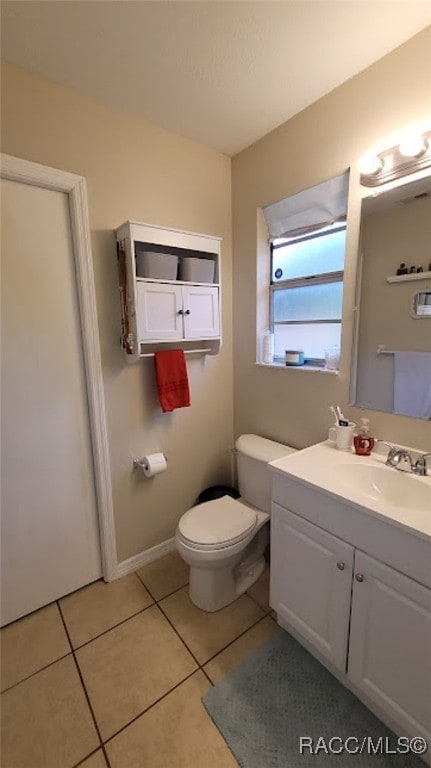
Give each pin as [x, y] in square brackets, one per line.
[268, 348]
[154, 464]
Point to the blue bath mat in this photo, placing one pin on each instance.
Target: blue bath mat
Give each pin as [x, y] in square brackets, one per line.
[282, 693]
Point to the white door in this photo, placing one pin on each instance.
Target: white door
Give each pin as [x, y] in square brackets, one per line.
[159, 311]
[50, 538]
[390, 643]
[201, 312]
[311, 577]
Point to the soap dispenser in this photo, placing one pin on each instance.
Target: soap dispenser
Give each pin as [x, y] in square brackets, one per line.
[363, 441]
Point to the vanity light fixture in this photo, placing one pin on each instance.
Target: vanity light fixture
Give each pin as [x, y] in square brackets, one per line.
[413, 145]
[370, 165]
[413, 153]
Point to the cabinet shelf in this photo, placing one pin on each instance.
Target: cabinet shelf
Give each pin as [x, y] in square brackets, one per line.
[409, 277]
[174, 282]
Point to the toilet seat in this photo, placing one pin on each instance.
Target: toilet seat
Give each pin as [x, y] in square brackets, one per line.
[217, 524]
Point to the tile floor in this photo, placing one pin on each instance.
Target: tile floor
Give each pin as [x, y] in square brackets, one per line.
[112, 676]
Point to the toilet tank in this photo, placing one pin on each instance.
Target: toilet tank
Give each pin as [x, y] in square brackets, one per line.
[254, 477]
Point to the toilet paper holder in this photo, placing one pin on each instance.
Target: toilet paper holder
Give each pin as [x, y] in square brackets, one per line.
[138, 463]
[142, 463]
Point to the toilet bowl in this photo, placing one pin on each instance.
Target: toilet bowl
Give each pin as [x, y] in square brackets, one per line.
[224, 540]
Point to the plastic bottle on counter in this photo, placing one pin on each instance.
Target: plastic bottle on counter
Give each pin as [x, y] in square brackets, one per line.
[363, 441]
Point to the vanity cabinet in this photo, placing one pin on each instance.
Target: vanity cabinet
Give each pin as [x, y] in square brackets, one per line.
[155, 310]
[368, 620]
[390, 642]
[311, 578]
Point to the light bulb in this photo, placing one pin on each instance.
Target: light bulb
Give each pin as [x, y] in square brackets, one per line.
[412, 145]
[370, 165]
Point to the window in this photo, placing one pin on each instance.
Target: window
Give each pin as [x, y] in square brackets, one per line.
[307, 235]
[306, 292]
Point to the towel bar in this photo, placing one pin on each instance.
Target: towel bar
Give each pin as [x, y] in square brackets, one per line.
[186, 352]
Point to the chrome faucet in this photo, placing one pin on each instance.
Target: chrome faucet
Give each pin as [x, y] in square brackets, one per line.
[401, 459]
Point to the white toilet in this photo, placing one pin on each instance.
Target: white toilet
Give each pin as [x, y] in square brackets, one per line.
[224, 541]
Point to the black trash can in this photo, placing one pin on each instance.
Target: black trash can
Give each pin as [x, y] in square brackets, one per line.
[216, 492]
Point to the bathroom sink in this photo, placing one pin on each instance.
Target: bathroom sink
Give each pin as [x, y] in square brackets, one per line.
[401, 489]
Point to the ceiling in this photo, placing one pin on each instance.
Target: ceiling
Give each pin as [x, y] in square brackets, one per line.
[220, 73]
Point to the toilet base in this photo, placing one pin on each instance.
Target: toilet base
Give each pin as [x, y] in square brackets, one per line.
[251, 575]
[214, 588]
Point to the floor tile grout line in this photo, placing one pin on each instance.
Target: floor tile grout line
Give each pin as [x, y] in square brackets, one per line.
[114, 626]
[200, 669]
[147, 588]
[91, 639]
[207, 676]
[24, 679]
[258, 604]
[90, 754]
[90, 706]
[150, 706]
[200, 666]
[168, 594]
[224, 647]
[178, 635]
[244, 632]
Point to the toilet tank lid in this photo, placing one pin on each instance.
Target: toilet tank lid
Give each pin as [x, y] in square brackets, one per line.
[261, 448]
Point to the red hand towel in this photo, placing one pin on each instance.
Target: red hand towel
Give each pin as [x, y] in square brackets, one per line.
[172, 379]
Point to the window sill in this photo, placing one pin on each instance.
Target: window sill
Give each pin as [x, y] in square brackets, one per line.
[305, 367]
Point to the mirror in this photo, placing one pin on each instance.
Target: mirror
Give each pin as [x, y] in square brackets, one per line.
[392, 365]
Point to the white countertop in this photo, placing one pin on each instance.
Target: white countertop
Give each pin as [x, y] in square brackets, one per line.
[322, 466]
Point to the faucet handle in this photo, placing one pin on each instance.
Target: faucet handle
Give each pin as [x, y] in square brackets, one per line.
[391, 453]
[420, 466]
[399, 458]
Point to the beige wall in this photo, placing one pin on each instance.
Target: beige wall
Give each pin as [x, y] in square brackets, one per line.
[137, 171]
[387, 239]
[291, 405]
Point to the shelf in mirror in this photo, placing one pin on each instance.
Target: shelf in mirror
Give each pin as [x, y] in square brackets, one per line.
[410, 276]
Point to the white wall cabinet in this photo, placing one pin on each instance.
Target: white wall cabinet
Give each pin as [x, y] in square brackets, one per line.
[158, 313]
[169, 312]
[320, 583]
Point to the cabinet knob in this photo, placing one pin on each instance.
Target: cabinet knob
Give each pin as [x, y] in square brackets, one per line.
[341, 566]
[359, 577]
[187, 312]
[180, 312]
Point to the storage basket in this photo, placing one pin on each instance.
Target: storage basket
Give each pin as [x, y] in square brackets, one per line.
[196, 270]
[159, 266]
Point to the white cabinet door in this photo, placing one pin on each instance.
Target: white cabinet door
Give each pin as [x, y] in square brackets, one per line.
[390, 643]
[159, 311]
[201, 312]
[311, 576]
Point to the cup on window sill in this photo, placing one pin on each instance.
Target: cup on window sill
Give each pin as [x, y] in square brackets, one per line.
[332, 358]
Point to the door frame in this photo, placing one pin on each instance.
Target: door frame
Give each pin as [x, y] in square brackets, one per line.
[27, 172]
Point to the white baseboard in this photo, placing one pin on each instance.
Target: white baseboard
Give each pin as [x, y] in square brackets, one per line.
[147, 556]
